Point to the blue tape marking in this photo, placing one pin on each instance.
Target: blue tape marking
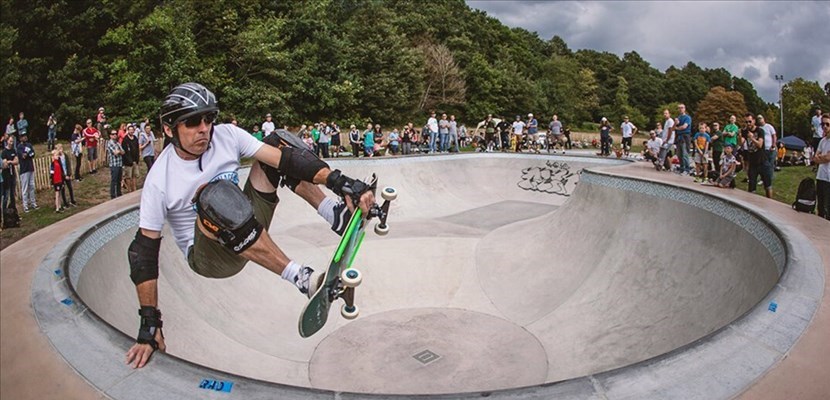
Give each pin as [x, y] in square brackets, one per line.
[773, 306]
[57, 272]
[67, 301]
[219, 386]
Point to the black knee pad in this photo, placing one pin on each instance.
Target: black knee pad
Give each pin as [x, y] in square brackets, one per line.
[227, 213]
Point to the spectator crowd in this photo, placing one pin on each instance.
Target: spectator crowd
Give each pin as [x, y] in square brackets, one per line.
[710, 152]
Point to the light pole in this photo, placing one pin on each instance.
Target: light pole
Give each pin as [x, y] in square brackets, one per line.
[780, 78]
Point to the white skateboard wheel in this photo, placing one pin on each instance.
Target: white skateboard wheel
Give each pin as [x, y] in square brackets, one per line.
[389, 193]
[349, 312]
[351, 277]
[381, 230]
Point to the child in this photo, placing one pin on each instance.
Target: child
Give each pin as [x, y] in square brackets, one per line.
[701, 141]
[808, 155]
[727, 168]
[56, 171]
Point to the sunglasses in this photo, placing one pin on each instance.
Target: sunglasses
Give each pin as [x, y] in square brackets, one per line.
[748, 121]
[197, 120]
[825, 124]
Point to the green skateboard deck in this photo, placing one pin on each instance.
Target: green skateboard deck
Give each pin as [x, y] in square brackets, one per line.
[316, 312]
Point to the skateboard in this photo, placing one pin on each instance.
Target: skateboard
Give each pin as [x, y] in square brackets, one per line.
[340, 279]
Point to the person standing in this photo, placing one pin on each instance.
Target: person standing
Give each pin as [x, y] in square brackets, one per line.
[11, 131]
[532, 132]
[10, 163]
[518, 131]
[66, 167]
[406, 138]
[354, 140]
[555, 134]
[754, 139]
[730, 133]
[324, 139]
[717, 144]
[702, 141]
[815, 126]
[432, 127]
[683, 130]
[605, 137]
[489, 133]
[22, 125]
[91, 136]
[26, 155]
[147, 146]
[51, 132]
[822, 160]
[56, 175]
[454, 134]
[369, 141]
[334, 142]
[114, 153]
[667, 136]
[770, 143]
[267, 126]
[444, 133]
[130, 158]
[77, 147]
[628, 130]
[394, 139]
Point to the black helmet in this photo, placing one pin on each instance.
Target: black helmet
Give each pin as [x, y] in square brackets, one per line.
[185, 101]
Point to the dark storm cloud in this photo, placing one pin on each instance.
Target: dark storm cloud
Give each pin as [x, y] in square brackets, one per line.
[754, 40]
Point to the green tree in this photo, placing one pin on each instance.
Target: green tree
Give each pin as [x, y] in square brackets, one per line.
[801, 97]
[719, 104]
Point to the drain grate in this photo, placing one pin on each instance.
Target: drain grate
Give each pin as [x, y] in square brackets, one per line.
[426, 357]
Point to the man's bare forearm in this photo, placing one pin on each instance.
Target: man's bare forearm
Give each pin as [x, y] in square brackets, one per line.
[148, 293]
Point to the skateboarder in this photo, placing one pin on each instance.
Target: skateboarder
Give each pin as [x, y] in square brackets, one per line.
[193, 187]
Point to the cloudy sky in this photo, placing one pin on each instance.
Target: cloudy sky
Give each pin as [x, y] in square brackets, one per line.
[754, 40]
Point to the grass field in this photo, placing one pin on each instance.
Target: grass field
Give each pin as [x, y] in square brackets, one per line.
[94, 190]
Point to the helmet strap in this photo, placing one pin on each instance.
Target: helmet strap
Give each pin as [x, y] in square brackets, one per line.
[178, 144]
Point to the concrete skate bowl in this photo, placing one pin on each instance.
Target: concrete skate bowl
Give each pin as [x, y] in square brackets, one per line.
[513, 275]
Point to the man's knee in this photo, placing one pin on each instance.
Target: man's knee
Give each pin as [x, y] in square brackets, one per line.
[227, 214]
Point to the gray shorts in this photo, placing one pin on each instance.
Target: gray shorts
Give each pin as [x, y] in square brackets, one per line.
[211, 259]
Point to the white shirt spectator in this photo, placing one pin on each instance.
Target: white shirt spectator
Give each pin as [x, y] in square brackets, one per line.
[518, 127]
[654, 145]
[667, 135]
[816, 122]
[769, 136]
[627, 129]
[432, 124]
[167, 196]
[267, 128]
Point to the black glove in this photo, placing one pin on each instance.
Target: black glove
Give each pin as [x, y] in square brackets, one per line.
[344, 186]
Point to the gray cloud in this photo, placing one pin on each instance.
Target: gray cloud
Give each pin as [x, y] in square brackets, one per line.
[754, 40]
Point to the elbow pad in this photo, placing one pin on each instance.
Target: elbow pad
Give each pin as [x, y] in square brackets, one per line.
[301, 164]
[143, 255]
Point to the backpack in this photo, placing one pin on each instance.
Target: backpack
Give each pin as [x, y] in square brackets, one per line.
[805, 198]
[10, 218]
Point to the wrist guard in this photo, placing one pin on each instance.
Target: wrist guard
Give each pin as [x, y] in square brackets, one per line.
[150, 323]
[344, 186]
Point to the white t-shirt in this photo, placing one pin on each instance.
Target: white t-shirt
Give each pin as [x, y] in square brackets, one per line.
[172, 182]
[432, 123]
[816, 122]
[769, 132]
[654, 145]
[667, 135]
[823, 173]
[267, 128]
[518, 127]
[627, 129]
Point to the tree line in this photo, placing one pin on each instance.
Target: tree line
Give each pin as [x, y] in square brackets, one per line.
[351, 61]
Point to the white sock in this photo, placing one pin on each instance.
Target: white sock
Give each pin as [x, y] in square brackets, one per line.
[326, 209]
[290, 272]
